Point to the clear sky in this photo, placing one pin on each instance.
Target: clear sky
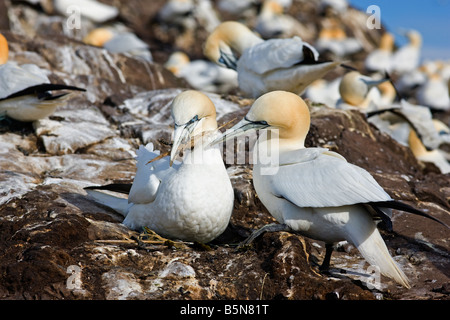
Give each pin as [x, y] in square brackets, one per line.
[430, 17]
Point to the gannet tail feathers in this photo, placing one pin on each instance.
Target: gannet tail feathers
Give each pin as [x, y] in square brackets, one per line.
[397, 205]
[119, 205]
[374, 250]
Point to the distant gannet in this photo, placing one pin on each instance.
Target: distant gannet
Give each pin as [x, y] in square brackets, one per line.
[25, 91]
[380, 59]
[422, 154]
[202, 74]
[119, 41]
[407, 58]
[334, 39]
[359, 92]
[263, 66]
[191, 200]
[313, 191]
[272, 22]
[434, 93]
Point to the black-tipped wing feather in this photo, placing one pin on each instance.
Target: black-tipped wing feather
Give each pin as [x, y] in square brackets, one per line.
[116, 187]
[41, 88]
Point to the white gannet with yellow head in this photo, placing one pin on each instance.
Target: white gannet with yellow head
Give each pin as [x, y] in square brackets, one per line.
[262, 66]
[25, 91]
[407, 58]
[359, 92]
[380, 59]
[190, 200]
[313, 191]
[119, 39]
[434, 156]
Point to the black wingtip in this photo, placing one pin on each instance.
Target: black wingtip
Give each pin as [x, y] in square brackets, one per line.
[42, 88]
[346, 66]
[397, 205]
[116, 187]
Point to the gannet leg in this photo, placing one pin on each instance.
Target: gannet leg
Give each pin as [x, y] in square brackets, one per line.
[273, 227]
[326, 261]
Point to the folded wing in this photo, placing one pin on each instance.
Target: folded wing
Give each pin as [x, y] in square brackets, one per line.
[316, 177]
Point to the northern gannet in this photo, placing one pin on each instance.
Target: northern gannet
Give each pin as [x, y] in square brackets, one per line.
[272, 22]
[334, 39]
[421, 153]
[116, 40]
[359, 92]
[380, 59]
[407, 58]
[263, 66]
[434, 93]
[25, 91]
[191, 200]
[202, 74]
[314, 191]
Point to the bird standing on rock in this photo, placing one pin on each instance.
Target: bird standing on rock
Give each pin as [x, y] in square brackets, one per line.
[25, 91]
[314, 191]
[263, 66]
[191, 200]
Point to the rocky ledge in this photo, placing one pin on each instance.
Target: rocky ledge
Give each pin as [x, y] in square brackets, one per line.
[56, 243]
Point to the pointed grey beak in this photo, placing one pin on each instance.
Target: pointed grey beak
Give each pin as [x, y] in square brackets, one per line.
[181, 134]
[373, 83]
[239, 129]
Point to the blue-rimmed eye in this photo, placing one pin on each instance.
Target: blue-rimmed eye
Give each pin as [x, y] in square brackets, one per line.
[193, 119]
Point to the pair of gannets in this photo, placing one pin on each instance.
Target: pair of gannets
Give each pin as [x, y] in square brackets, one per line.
[313, 191]
[263, 66]
[25, 91]
[192, 200]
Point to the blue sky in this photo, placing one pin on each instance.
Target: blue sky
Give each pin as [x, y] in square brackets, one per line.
[430, 17]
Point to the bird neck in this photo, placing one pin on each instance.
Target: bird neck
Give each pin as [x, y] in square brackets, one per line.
[417, 147]
[270, 145]
[200, 152]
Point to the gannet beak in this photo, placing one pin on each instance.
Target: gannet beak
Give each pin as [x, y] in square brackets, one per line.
[181, 134]
[228, 60]
[373, 83]
[239, 129]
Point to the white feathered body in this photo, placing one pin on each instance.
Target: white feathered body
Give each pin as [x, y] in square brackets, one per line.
[319, 194]
[276, 65]
[190, 201]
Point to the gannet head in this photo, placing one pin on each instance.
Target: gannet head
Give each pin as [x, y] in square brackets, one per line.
[414, 37]
[277, 110]
[227, 42]
[354, 87]
[387, 42]
[272, 7]
[193, 113]
[98, 37]
[4, 51]
[176, 62]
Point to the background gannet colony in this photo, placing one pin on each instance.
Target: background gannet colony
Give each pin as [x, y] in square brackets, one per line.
[374, 98]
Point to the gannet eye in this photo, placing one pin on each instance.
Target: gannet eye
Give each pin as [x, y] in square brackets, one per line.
[195, 118]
